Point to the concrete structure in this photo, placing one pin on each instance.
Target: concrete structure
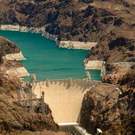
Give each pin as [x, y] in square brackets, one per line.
[64, 97]
[77, 45]
[95, 64]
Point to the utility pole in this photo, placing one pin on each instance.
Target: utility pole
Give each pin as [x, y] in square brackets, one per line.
[42, 102]
[33, 79]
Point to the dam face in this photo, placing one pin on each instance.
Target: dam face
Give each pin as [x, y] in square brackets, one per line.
[64, 97]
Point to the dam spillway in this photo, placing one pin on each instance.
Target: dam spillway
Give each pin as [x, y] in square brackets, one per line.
[64, 97]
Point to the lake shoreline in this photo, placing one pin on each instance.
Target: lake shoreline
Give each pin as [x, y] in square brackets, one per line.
[44, 33]
[41, 31]
[37, 30]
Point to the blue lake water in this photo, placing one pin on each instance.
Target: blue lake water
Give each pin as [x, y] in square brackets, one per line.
[45, 59]
[95, 74]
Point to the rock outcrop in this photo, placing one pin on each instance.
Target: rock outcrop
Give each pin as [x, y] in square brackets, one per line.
[122, 74]
[10, 56]
[106, 108]
[7, 47]
[115, 48]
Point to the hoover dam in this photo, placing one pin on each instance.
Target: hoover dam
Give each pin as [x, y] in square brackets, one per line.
[64, 97]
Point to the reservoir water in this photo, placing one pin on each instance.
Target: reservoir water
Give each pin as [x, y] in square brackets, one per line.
[46, 60]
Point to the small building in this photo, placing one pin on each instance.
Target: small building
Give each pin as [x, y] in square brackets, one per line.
[95, 65]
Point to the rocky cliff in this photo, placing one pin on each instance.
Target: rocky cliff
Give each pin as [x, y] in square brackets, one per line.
[110, 105]
[7, 47]
[105, 107]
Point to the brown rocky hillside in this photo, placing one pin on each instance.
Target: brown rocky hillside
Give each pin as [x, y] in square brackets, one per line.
[109, 22]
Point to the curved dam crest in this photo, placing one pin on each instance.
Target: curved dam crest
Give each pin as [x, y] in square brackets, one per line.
[64, 97]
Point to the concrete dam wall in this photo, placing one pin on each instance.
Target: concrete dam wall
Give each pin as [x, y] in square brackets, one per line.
[64, 97]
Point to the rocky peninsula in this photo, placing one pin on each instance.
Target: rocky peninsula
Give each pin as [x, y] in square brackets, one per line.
[10, 56]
